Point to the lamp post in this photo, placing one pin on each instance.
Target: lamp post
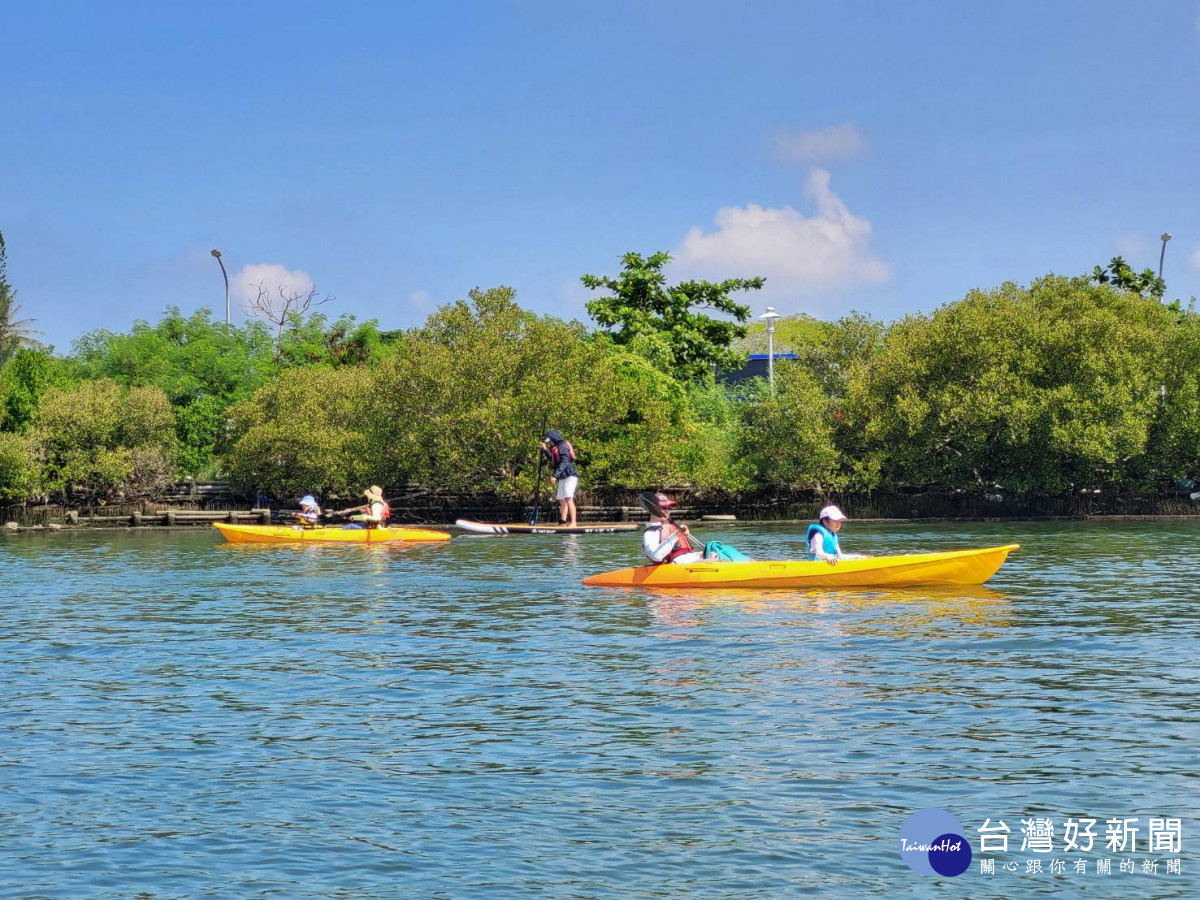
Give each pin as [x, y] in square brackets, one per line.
[1165, 237]
[770, 315]
[225, 275]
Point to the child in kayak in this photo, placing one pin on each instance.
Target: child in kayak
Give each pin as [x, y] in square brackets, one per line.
[823, 537]
[310, 513]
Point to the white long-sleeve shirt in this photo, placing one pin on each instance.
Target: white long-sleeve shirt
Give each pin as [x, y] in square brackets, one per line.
[657, 549]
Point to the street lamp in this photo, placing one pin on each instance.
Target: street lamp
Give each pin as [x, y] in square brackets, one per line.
[770, 315]
[1166, 237]
[225, 275]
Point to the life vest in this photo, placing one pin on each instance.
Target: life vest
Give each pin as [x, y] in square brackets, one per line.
[681, 547]
[829, 541]
[555, 453]
[383, 517]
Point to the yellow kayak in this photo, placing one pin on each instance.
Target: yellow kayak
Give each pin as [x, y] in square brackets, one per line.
[954, 567]
[273, 534]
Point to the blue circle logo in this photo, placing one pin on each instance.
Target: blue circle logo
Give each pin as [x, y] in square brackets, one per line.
[932, 843]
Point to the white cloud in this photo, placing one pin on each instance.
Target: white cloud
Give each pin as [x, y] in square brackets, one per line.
[1130, 246]
[420, 301]
[828, 249]
[822, 145]
[272, 276]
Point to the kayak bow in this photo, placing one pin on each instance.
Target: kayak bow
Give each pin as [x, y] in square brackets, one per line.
[954, 567]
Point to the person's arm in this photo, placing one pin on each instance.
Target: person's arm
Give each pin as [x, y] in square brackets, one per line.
[656, 548]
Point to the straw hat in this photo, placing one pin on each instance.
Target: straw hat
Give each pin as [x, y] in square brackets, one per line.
[374, 493]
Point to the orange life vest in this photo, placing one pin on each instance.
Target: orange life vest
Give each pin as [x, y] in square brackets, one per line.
[680, 548]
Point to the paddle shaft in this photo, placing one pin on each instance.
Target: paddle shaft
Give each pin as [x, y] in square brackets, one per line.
[536, 512]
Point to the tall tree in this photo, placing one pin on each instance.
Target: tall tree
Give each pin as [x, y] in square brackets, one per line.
[662, 322]
[15, 332]
[1120, 274]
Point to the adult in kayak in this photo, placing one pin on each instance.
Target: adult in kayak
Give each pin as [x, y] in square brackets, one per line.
[823, 537]
[665, 541]
[310, 512]
[372, 514]
[561, 455]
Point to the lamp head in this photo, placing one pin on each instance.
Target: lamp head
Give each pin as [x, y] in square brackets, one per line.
[216, 253]
[1166, 236]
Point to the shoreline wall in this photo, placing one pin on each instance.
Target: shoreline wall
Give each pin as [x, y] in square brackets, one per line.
[204, 504]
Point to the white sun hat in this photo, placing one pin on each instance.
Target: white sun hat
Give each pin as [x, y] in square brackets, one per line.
[832, 512]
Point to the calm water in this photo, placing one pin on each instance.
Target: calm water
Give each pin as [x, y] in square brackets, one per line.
[187, 718]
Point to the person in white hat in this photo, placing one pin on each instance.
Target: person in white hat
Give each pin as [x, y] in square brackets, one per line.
[310, 512]
[823, 537]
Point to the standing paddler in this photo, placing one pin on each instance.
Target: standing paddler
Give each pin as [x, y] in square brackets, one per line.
[561, 455]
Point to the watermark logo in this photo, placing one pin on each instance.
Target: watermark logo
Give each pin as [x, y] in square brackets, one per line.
[932, 843]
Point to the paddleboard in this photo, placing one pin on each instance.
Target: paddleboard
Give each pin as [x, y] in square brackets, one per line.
[526, 528]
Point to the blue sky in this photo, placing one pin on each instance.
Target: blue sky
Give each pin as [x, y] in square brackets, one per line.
[885, 157]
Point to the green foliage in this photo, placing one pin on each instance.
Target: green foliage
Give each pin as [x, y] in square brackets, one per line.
[793, 334]
[23, 381]
[1119, 274]
[205, 365]
[460, 403]
[18, 467]
[659, 322]
[1042, 388]
[186, 356]
[637, 427]
[788, 432]
[709, 450]
[830, 351]
[1173, 448]
[307, 431]
[1067, 384]
[199, 427]
[100, 439]
[345, 342]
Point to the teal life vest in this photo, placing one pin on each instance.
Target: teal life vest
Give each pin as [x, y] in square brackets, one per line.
[829, 541]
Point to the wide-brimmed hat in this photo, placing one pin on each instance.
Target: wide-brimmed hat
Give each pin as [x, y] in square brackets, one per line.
[308, 500]
[832, 512]
[374, 492]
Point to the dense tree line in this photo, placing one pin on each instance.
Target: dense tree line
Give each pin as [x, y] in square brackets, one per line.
[1066, 384]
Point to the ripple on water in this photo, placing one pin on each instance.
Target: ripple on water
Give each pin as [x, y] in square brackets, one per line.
[185, 718]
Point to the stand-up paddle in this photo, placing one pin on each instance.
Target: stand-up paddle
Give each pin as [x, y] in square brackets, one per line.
[536, 511]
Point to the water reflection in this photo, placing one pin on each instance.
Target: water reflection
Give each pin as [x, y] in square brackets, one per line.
[906, 608]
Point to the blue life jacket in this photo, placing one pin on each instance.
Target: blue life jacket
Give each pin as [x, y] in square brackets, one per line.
[829, 540]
